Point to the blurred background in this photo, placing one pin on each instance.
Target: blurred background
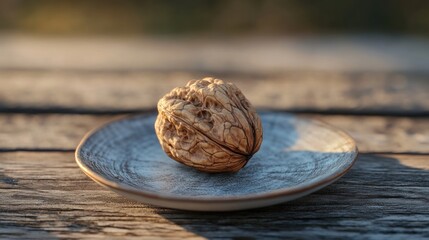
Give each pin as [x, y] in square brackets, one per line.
[215, 36]
[215, 17]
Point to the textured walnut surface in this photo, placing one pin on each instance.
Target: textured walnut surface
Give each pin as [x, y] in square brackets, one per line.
[209, 125]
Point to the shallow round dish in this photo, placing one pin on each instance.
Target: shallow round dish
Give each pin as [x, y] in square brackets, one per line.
[298, 156]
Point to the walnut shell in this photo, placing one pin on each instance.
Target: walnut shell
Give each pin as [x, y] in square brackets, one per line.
[208, 125]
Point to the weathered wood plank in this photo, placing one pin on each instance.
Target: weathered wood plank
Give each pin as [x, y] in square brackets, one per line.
[46, 195]
[377, 93]
[63, 132]
[383, 134]
[46, 132]
[253, 55]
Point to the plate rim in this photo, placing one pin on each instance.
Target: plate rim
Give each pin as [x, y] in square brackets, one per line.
[252, 197]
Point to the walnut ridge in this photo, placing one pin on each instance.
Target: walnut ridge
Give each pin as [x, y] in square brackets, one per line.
[208, 125]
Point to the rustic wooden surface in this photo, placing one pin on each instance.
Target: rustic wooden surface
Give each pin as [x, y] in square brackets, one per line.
[208, 54]
[50, 96]
[62, 132]
[327, 92]
[46, 195]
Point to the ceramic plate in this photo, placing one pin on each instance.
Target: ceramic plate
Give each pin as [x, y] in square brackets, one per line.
[298, 156]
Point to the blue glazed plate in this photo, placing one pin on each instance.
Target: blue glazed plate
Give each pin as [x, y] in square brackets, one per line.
[298, 156]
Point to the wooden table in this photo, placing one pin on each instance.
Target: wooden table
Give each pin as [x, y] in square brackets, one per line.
[54, 90]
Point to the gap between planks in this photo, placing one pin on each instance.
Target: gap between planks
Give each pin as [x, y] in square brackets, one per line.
[90, 111]
[53, 150]
[58, 132]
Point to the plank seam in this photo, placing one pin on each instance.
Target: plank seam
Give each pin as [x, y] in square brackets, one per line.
[344, 112]
[6, 150]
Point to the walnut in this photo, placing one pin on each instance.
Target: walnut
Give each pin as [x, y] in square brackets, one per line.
[208, 125]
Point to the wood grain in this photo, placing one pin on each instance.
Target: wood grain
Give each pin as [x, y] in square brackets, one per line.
[359, 93]
[208, 54]
[46, 132]
[46, 195]
[63, 132]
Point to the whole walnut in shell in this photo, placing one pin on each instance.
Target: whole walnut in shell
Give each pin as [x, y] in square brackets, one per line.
[208, 125]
